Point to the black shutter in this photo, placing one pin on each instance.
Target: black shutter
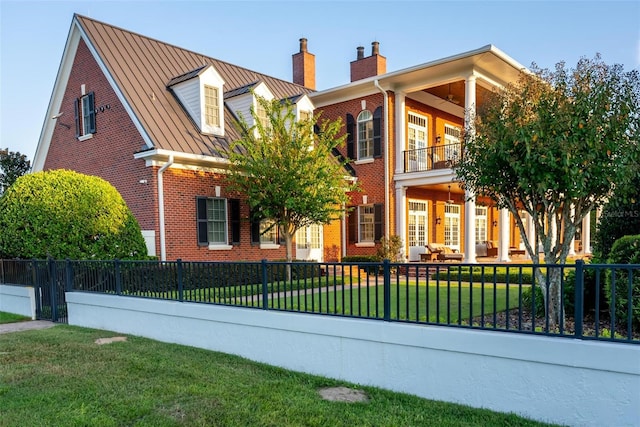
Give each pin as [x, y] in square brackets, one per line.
[92, 113]
[255, 228]
[201, 221]
[352, 226]
[377, 221]
[234, 219]
[75, 106]
[377, 132]
[351, 124]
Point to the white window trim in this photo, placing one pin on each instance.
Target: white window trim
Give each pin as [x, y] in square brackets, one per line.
[269, 246]
[217, 247]
[367, 158]
[221, 245]
[85, 137]
[364, 161]
[366, 243]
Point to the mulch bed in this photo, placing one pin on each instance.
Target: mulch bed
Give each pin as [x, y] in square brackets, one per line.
[523, 321]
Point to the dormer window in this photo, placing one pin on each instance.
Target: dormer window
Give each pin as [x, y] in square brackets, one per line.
[211, 105]
[261, 114]
[200, 94]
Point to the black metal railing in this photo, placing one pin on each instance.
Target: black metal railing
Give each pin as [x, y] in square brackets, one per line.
[434, 157]
[600, 302]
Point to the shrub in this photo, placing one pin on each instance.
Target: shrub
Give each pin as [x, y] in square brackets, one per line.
[64, 214]
[625, 250]
[390, 248]
[361, 258]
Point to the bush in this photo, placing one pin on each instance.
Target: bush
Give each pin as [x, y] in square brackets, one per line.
[64, 214]
[625, 250]
[361, 258]
[390, 249]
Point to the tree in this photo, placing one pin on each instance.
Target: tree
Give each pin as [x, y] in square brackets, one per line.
[64, 214]
[555, 145]
[287, 171]
[12, 166]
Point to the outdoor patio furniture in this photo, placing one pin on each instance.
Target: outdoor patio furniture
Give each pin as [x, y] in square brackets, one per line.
[444, 253]
[487, 249]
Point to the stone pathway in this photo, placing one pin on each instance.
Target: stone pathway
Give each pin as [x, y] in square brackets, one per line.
[6, 328]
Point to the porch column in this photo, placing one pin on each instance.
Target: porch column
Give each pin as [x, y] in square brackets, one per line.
[400, 132]
[586, 234]
[401, 214]
[503, 243]
[572, 246]
[470, 203]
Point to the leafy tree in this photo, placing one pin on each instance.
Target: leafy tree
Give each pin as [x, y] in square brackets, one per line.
[12, 166]
[64, 214]
[555, 144]
[288, 171]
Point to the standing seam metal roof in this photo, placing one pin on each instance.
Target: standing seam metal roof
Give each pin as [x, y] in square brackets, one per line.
[142, 68]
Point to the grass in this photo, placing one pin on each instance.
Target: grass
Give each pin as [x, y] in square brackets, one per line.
[59, 376]
[12, 318]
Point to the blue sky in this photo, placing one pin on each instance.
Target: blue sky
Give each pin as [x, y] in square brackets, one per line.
[263, 35]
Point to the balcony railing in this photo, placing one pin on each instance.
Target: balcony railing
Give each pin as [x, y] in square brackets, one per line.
[434, 157]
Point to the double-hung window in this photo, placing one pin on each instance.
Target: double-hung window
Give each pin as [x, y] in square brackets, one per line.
[213, 221]
[365, 135]
[85, 112]
[211, 106]
[268, 232]
[366, 224]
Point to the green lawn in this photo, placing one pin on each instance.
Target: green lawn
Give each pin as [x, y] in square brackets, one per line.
[12, 318]
[60, 377]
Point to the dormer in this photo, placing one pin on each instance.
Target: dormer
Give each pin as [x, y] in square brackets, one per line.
[243, 99]
[303, 107]
[200, 92]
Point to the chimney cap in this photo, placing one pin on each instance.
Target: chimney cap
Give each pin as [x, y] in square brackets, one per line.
[375, 48]
[360, 50]
[303, 44]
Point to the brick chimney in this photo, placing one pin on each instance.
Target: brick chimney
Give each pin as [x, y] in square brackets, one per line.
[373, 65]
[304, 67]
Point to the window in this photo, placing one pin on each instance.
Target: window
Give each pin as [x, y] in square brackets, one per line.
[261, 114]
[211, 106]
[268, 232]
[452, 226]
[85, 113]
[365, 135]
[213, 220]
[417, 142]
[452, 148]
[366, 223]
[417, 224]
[481, 224]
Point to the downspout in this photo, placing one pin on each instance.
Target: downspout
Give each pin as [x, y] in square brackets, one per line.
[163, 249]
[386, 158]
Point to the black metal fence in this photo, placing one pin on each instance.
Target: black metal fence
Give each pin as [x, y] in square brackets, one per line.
[599, 302]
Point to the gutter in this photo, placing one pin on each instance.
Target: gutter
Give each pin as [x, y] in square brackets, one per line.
[163, 248]
[386, 158]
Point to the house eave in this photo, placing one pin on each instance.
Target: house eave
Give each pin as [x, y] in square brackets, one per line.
[157, 157]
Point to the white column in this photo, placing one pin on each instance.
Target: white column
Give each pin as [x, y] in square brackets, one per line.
[586, 234]
[572, 246]
[531, 234]
[470, 204]
[401, 215]
[400, 132]
[505, 229]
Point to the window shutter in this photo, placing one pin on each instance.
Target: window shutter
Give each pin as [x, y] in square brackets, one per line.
[255, 228]
[201, 221]
[234, 214]
[377, 132]
[92, 113]
[353, 226]
[75, 107]
[377, 221]
[351, 125]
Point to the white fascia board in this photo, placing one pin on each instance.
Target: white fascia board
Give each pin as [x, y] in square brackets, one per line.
[59, 87]
[389, 80]
[160, 155]
[145, 137]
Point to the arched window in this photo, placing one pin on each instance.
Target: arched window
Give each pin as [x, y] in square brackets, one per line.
[365, 135]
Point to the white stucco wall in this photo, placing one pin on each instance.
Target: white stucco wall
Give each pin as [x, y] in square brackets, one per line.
[573, 382]
[18, 300]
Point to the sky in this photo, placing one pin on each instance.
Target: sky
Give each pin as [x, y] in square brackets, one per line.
[262, 36]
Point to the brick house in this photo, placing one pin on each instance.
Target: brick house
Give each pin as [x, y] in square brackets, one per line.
[155, 120]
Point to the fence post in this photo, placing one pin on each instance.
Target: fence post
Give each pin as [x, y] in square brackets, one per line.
[118, 277]
[578, 308]
[265, 293]
[180, 286]
[68, 276]
[387, 289]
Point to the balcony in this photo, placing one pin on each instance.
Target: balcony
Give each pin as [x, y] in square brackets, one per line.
[434, 157]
